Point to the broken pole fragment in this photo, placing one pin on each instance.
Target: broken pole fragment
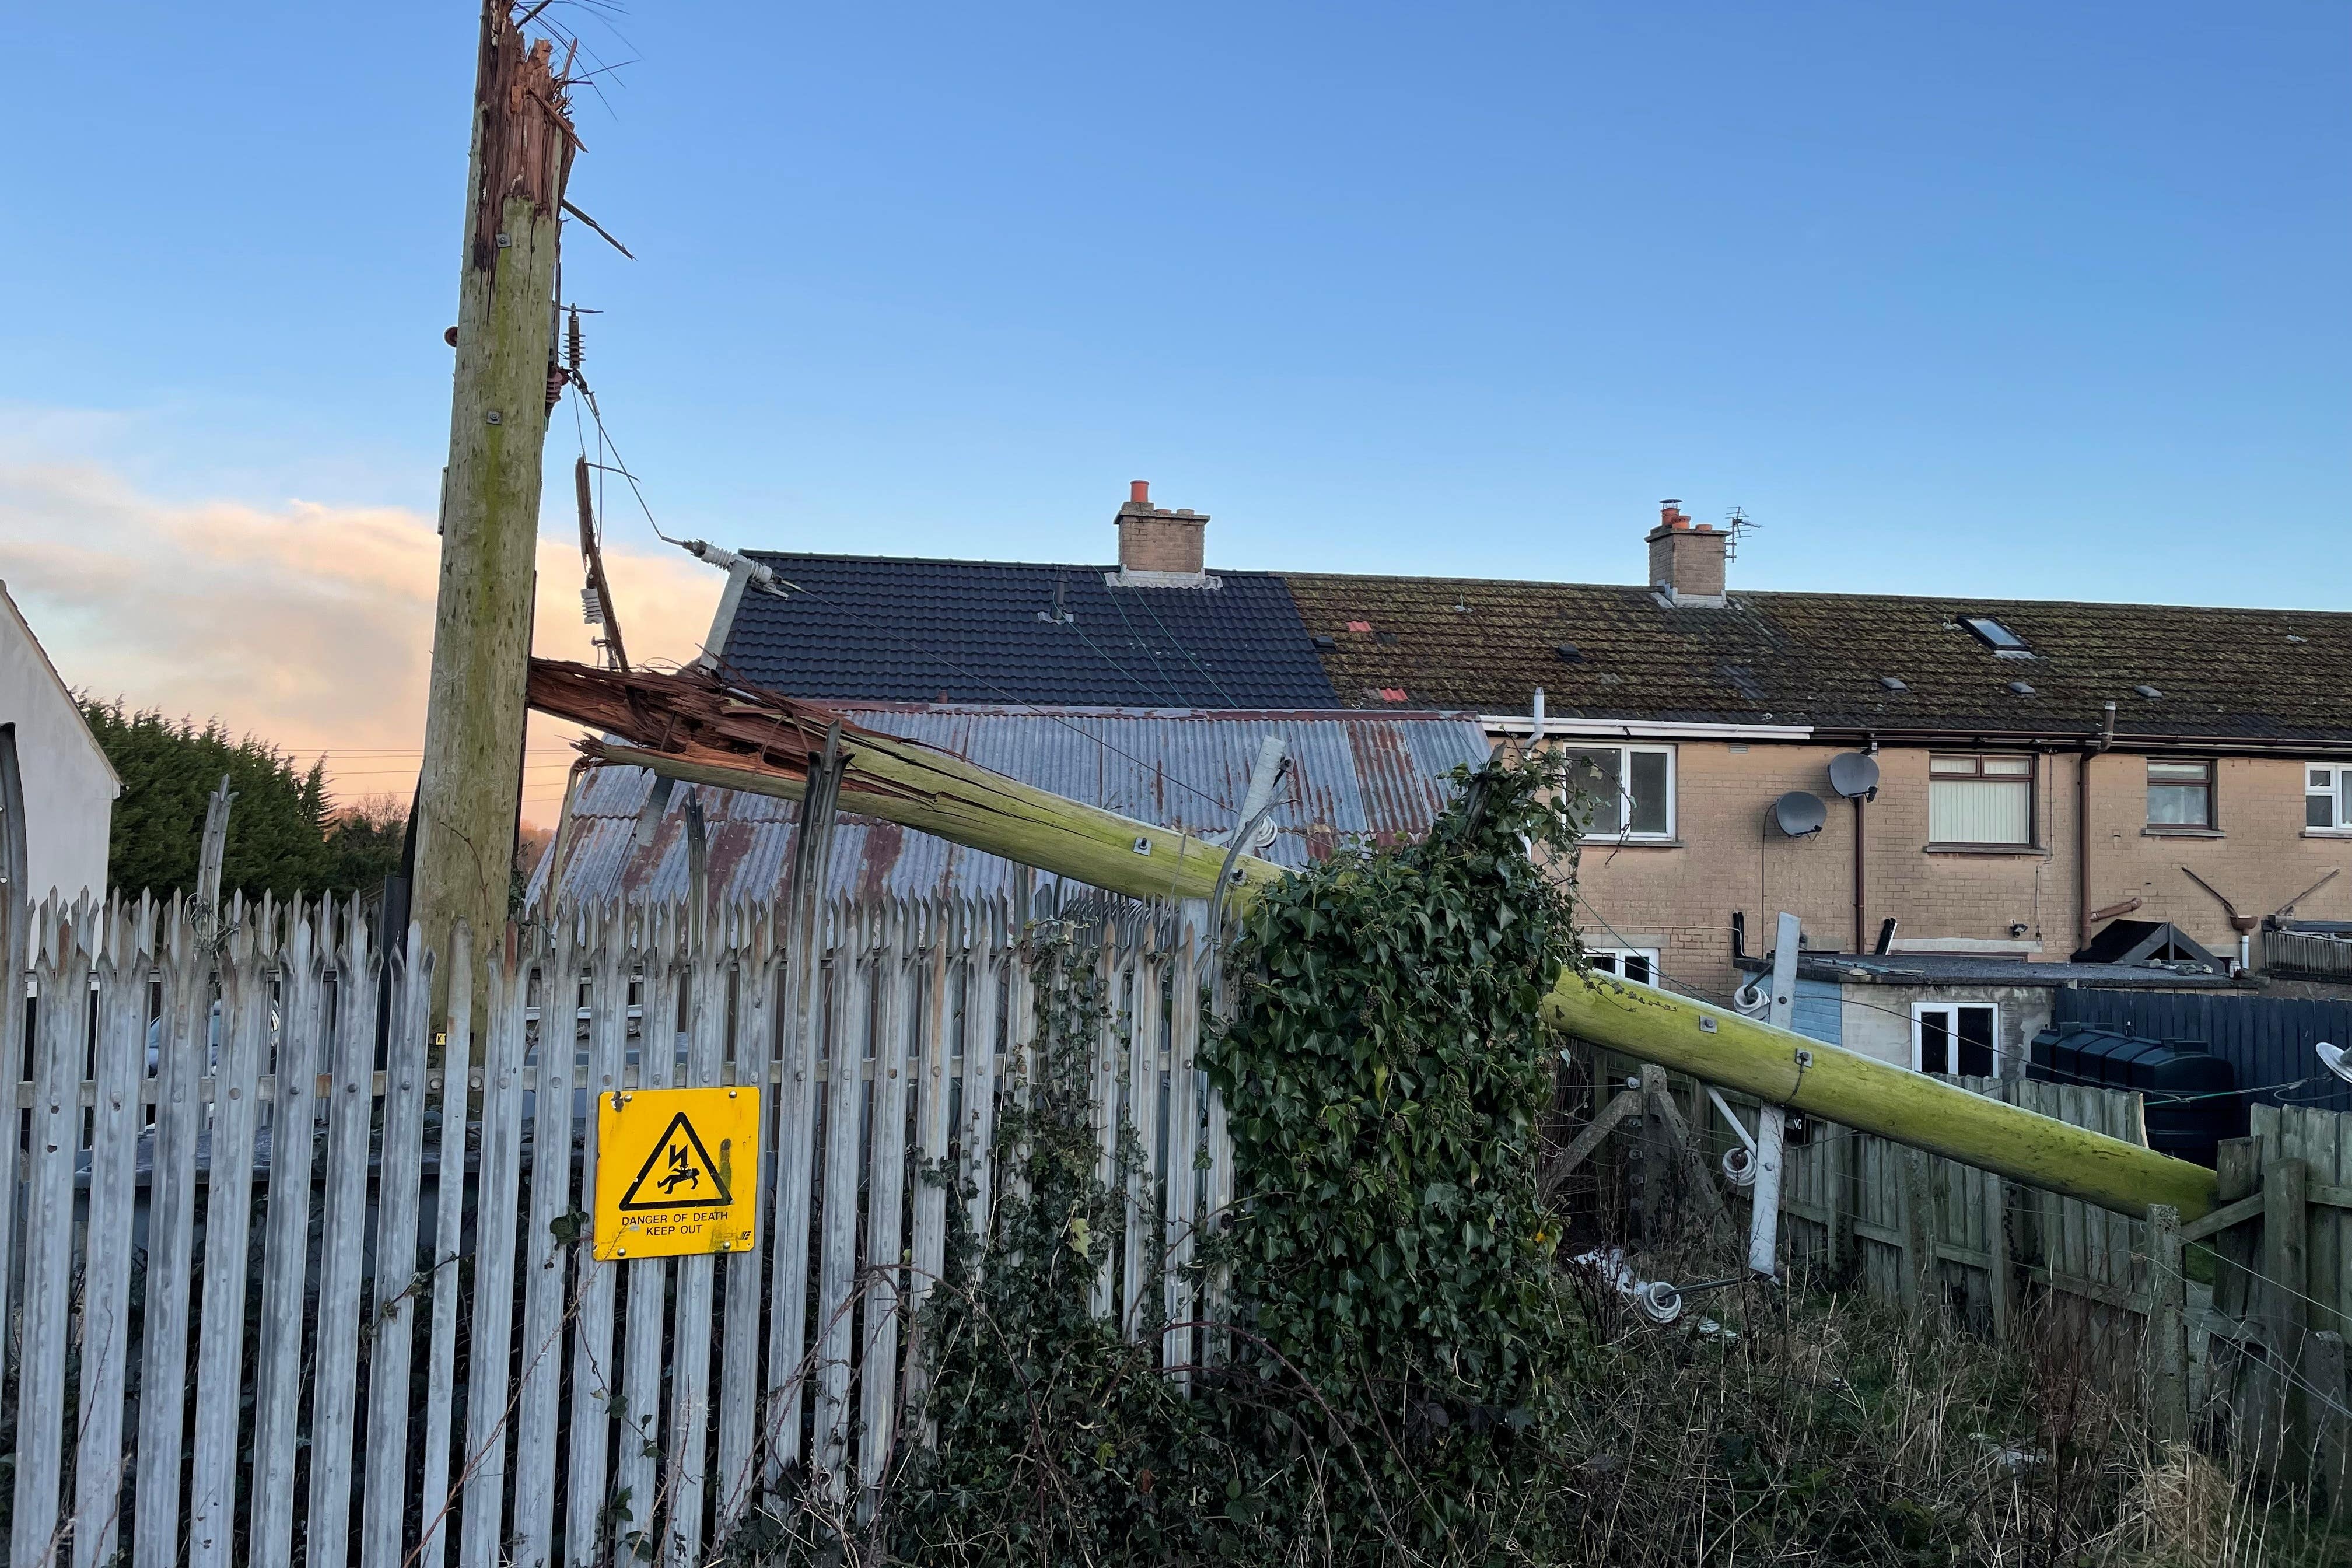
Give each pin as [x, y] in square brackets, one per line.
[734, 737]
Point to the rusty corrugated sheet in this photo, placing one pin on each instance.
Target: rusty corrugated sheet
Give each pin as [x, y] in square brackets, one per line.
[1354, 774]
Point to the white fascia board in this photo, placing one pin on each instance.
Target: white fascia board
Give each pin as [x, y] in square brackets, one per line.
[1640, 729]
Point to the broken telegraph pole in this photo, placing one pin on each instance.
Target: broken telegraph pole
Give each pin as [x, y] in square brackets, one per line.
[470, 793]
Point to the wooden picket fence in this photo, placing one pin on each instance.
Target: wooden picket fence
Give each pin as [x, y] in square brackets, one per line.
[2228, 1331]
[2252, 1363]
[286, 1284]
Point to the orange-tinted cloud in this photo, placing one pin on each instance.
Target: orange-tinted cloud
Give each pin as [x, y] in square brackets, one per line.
[308, 625]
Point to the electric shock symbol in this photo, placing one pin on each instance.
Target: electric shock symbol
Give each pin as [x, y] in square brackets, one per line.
[680, 1173]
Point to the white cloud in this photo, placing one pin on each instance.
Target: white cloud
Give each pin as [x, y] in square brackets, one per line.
[308, 624]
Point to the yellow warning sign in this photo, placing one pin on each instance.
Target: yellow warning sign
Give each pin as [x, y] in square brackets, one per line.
[675, 1170]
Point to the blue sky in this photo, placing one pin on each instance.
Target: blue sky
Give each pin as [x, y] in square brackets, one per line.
[2021, 300]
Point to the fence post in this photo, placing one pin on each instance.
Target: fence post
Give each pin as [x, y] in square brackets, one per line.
[1653, 1196]
[2323, 1362]
[1845, 1193]
[1920, 1292]
[1998, 1197]
[2167, 1344]
[2286, 1185]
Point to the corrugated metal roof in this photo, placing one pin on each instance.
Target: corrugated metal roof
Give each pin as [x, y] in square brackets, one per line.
[1380, 777]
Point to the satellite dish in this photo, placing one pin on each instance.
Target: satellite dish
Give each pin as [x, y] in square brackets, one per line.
[1854, 773]
[1800, 812]
[2335, 1060]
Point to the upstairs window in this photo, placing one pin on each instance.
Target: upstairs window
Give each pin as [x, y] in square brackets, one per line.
[2327, 798]
[1628, 790]
[1979, 800]
[2180, 795]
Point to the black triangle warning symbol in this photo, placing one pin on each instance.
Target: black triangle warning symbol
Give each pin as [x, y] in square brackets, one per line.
[679, 1174]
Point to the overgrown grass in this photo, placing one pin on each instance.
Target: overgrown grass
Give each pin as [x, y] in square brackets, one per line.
[1826, 1429]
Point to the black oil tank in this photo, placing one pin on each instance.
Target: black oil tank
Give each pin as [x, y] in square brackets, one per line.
[2187, 1089]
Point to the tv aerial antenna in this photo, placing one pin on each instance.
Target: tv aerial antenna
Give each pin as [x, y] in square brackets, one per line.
[1735, 525]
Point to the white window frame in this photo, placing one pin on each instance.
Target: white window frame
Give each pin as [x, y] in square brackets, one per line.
[2029, 780]
[2211, 783]
[1626, 755]
[2338, 792]
[1611, 961]
[1920, 1010]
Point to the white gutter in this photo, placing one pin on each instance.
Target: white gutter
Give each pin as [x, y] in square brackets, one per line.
[1640, 729]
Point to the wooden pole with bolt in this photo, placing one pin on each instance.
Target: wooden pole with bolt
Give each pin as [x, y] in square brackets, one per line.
[469, 791]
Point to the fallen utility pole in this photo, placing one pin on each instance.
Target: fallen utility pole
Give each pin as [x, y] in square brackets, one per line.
[692, 727]
[733, 737]
[469, 790]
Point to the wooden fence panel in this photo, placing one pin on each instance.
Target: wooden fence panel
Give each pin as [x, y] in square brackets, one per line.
[704, 977]
[2318, 1138]
[897, 976]
[736, 1471]
[1103, 1069]
[61, 973]
[17, 932]
[334, 1403]
[1182, 1196]
[636, 1470]
[857, 978]
[491, 1332]
[1139, 1246]
[120, 1052]
[987, 992]
[342, 1165]
[531, 1538]
[437, 1487]
[171, 1237]
[228, 1206]
[614, 939]
[286, 1244]
[391, 1324]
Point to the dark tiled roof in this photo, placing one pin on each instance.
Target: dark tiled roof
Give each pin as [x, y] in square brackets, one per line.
[1817, 658]
[880, 629]
[981, 631]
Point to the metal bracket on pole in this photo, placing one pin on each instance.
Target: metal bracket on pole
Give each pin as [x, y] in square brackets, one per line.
[1764, 1218]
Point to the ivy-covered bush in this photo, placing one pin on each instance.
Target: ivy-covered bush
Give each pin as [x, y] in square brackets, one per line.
[1397, 1342]
[1385, 1071]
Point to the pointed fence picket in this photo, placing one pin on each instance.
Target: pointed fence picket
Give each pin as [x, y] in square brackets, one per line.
[370, 1232]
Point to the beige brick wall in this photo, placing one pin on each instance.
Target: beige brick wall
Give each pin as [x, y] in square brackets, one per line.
[1680, 898]
[2262, 859]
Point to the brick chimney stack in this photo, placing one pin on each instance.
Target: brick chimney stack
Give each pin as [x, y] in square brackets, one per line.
[1159, 548]
[1686, 559]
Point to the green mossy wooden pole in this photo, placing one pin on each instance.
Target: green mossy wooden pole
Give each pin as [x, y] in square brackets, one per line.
[918, 787]
[1871, 1096]
[469, 791]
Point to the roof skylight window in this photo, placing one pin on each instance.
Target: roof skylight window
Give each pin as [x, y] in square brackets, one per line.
[1996, 636]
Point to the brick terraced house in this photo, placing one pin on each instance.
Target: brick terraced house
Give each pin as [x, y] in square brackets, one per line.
[2034, 771]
